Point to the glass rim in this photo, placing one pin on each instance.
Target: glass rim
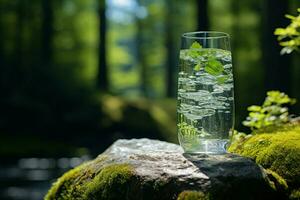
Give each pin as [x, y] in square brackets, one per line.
[193, 35]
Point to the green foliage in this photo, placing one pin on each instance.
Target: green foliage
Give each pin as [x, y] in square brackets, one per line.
[197, 67]
[271, 113]
[187, 130]
[289, 37]
[194, 51]
[214, 67]
[295, 194]
[190, 131]
[222, 79]
[196, 45]
[192, 195]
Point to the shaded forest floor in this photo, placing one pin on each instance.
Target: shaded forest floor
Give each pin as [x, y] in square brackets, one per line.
[117, 118]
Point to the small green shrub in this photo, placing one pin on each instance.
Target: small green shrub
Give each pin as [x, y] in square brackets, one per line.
[273, 112]
[295, 194]
[289, 37]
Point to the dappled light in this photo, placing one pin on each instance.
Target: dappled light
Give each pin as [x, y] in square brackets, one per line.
[76, 76]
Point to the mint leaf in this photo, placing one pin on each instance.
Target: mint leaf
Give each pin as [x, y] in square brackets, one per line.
[197, 67]
[254, 108]
[193, 53]
[214, 67]
[194, 50]
[222, 79]
[196, 45]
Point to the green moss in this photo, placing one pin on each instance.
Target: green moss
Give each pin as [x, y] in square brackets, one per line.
[279, 153]
[276, 181]
[84, 183]
[111, 183]
[192, 195]
[73, 183]
[69, 185]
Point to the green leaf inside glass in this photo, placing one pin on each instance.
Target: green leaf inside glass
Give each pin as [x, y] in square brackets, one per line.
[214, 67]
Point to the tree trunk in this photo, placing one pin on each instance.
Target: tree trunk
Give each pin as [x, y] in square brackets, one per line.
[141, 57]
[20, 13]
[170, 82]
[277, 67]
[16, 72]
[102, 77]
[202, 15]
[47, 32]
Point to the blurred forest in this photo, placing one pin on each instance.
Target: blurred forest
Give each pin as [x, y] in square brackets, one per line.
[82, 73]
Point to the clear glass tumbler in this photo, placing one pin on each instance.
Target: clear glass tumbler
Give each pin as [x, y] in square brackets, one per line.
[205, 109]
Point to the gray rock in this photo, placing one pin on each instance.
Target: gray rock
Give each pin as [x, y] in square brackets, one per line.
[159, 170]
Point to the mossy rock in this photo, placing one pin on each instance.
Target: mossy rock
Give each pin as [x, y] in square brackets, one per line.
[278, 151]
[155, 170]
[84, 183]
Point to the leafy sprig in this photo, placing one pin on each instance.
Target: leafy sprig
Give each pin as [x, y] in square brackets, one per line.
[212, 66]
[187, 130]
[190, 131]
[289, 37]
[194, 50]
[196, 45]
[271, 113]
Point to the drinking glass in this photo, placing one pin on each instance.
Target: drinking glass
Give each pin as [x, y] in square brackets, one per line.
[205, 109]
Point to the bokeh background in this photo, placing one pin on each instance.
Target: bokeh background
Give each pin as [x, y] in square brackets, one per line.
[75, 75]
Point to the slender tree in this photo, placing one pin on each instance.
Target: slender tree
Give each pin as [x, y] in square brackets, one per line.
[141, 57]
[170, 67]
[202, 15]
[20, 16]
[277, 68]
[15, 73]
[47, 32]
[2, 57]
[102, 78]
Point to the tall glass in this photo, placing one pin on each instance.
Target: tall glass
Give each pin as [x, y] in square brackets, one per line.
[205, 110]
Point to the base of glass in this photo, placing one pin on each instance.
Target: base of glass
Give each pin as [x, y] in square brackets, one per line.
[206, 146]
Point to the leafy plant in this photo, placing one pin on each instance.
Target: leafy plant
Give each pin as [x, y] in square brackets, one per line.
[196, 45]
[289, 37]
[273, 112]
[212, 66]
[194, 50]
[187, 130]
[190, 131]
